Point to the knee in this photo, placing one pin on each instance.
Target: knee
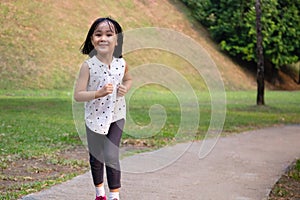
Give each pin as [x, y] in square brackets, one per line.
[112, 157]
[96, 161]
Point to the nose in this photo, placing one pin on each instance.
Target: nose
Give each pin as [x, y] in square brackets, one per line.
[103, 38]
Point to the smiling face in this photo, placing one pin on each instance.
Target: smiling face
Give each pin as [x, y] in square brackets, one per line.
[104, 38]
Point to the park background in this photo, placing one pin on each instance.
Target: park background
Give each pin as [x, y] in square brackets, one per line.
[40, 59]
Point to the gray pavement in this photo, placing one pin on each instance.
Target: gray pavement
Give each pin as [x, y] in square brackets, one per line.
[244, 166]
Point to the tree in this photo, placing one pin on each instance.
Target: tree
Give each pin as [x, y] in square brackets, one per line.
[232, 24]
[260, 57]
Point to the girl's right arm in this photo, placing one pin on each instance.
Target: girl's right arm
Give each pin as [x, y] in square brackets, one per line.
[81, 94]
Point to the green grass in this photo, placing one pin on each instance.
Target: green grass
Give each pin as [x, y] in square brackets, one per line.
[41, 122]
[295, 174]
[38, 124]
[242, 113]
[282, 107]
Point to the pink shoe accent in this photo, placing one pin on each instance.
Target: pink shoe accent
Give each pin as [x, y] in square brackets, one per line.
[101, 198]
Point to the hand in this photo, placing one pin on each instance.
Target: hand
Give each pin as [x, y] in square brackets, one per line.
[122, 90]
[105, 90]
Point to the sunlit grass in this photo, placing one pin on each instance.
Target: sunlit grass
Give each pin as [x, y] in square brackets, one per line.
[38, 124]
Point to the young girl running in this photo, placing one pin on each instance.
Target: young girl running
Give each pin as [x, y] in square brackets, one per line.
[102, 83]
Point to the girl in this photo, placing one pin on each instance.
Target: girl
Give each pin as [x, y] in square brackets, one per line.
[102, 83]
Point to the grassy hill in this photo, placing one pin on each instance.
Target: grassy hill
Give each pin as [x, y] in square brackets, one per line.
[40, 39]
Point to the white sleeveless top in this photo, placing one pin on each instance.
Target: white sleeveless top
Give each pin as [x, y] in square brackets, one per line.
[101, 112]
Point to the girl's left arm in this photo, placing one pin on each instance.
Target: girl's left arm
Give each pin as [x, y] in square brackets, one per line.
[126, 83]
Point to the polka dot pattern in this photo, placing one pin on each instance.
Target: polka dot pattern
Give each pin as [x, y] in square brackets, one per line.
[100, 113]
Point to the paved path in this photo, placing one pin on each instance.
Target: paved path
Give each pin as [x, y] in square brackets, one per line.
[241, 167]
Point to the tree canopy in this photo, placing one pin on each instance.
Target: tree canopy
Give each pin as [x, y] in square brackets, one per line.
[232, 24]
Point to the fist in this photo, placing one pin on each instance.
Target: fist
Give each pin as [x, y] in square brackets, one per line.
[107, 89]
[122, 90]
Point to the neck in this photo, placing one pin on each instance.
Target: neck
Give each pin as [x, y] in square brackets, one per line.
[107, 58]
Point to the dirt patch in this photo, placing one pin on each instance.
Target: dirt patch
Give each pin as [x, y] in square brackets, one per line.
[16, 173]
[23, 176]
[287, 82]
[288, 186]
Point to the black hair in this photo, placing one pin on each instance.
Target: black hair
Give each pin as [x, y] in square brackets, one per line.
[88, 48]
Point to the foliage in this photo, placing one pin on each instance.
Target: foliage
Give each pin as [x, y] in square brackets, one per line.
[232, 24]
[282, 31]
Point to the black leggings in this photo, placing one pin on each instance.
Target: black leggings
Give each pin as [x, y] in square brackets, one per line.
[105, 149]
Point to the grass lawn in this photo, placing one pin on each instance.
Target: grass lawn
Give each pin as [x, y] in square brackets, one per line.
[37, 130]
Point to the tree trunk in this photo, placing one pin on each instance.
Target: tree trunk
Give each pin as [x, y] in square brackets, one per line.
[260, 57]
[299, 75]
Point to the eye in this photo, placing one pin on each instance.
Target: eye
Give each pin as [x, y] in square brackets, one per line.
[98, 34]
